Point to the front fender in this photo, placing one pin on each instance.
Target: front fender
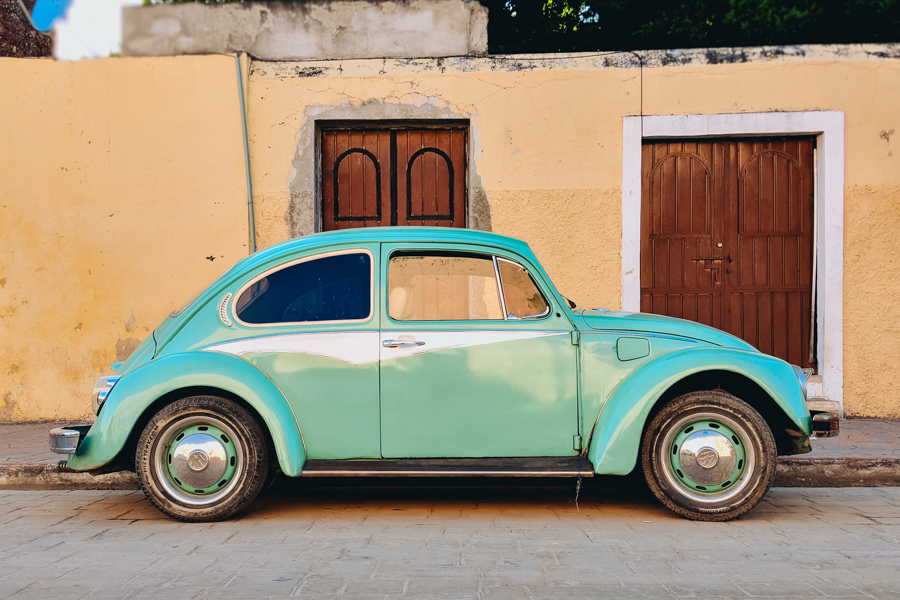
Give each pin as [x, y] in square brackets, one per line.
[137, 390]
[616, 438]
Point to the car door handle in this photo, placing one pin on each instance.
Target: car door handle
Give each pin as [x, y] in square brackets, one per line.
[401, 343]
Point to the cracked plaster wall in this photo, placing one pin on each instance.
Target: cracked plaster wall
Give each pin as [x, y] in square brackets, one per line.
[113, 202]
[536, 168]
[122, 193]
[547, 152]
[866, 90]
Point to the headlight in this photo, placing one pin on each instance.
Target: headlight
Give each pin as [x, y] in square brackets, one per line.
[801, 376]
[101, 390]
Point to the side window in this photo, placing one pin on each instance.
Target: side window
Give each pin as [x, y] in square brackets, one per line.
[331, 288]
[442, 286]
[521, 295]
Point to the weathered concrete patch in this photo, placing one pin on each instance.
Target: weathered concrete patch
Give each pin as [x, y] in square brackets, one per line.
[308, 30]
[838, 472]
[50, 477]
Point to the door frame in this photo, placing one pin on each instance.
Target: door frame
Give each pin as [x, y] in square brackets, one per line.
[387, 124]
[828, 210]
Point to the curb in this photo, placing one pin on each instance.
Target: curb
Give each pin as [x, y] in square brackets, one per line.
[838, 472]
[791, 472]
[30, 476]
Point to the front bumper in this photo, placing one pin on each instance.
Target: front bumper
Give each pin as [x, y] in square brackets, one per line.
[65, 440]
[825, 425]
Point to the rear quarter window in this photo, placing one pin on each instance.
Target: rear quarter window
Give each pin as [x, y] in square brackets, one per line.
[331, 288]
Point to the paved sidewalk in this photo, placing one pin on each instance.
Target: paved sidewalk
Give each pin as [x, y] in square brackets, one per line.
[867, 453]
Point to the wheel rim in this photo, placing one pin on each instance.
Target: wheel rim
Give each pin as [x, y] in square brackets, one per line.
[198, 460]
[708, 457]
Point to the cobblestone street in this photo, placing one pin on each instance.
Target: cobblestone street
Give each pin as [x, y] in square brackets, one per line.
[437, 541]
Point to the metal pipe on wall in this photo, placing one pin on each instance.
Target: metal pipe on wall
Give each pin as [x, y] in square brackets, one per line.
[240, 78]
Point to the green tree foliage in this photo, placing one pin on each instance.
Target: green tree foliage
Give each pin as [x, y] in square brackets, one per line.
[538, 26]
[526, 26]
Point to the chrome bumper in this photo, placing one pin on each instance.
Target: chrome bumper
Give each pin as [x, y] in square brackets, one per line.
[825, 425]
[65, 440]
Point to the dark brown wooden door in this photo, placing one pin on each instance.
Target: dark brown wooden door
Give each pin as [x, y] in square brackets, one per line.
[409, 176]
[726, 238]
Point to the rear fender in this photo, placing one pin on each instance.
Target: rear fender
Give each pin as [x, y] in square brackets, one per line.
[616, 438]
[137, 391]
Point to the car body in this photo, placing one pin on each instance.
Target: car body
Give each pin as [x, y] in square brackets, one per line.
[434, 351]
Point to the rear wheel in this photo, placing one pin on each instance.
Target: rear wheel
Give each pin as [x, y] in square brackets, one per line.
[202, 458]
[709, 456]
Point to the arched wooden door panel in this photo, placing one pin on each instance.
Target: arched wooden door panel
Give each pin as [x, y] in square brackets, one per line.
[401, 176]
[726, 238]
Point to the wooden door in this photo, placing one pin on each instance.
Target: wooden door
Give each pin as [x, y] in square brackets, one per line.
[726, 238]
[402, 176]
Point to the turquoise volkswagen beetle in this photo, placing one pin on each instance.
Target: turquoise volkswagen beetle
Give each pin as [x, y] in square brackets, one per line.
[434, 351]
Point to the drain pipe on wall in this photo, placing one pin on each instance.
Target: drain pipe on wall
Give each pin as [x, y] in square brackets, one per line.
[240, 78]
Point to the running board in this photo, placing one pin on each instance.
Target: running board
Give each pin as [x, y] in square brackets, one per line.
[450, 467]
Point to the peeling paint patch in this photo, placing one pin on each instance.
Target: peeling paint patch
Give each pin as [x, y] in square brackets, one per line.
[125, 347]
[2, 282]
[13, 369]
[78, 327]
[7, 407]
[310, 72]
[886, 135]
[130, 323]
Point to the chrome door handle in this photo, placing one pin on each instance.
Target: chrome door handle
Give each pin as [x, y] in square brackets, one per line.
[401, 343]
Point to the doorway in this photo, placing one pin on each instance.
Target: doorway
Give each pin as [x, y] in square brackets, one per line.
[727, 238]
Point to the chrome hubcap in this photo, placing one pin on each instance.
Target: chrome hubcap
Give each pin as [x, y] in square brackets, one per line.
[198, 460]
[706, 456]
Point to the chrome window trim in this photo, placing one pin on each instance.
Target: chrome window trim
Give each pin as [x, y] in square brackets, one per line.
[500, 287]
[547, 310]
[494, 257]
[298, 261]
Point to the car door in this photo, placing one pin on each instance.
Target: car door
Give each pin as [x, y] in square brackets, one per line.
[471, 367]
[311, 325]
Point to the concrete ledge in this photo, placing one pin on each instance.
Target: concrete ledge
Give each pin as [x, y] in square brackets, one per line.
[838, 472]
[792, 472]
[334, 29]
[50, 477]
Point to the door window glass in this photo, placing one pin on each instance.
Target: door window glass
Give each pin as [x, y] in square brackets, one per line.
[522, 297]
[331, 288]
[442, 286]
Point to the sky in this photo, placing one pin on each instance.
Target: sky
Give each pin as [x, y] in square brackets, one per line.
[82, 28]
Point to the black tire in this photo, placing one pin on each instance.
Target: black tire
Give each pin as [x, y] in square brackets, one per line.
[201, 459]
[708, 456]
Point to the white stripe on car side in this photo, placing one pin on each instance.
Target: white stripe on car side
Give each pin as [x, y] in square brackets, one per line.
[363, 348]
[353, 348]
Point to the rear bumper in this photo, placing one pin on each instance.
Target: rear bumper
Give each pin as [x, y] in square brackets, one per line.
[65, 440]
[825, 425]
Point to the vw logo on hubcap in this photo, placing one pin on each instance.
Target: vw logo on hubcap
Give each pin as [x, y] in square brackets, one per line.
[707, 458]
[198, 460]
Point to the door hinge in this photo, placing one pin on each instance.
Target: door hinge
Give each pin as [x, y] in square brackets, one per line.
[576, 338]
[576, 443]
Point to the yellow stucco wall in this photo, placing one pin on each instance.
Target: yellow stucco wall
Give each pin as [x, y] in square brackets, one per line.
[547, 150]
[122, 192]
[867, 92]
[120, 178]
[551, 172]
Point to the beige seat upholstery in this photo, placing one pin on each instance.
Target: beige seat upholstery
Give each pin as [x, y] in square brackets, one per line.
[401, 302]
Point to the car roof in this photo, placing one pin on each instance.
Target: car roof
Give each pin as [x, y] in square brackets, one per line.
[394, 234]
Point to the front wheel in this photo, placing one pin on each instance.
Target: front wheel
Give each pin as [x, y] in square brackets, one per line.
[709, 456]
[202, 458]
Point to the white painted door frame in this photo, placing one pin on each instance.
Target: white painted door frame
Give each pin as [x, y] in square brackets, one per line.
[828, 127]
